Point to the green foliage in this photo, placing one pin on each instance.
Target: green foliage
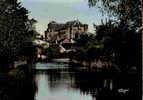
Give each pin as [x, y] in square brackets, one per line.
[121, 43]
[110, 41]
[89, 47]
[14, 30]
[127, 12]
[52, 52]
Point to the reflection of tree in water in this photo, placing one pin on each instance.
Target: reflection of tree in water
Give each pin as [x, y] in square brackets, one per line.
[54, 79]
[102, 87]
[17, 89]
[88, 83]
[57, 79]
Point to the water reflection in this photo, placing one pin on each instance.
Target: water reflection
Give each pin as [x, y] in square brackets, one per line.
[70, 85]
[57, 87]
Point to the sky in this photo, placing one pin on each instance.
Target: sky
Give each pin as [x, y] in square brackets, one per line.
[61, 11]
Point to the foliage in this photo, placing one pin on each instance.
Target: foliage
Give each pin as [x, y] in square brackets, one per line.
[52, 52]
[127, 12]
[120, 36]
[110, 41]
[14, 29]
[121, 44]
[89, 47]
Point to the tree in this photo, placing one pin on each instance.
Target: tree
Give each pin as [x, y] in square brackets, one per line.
[89, 47]
[125, 37]
[118, 43]
[14, 31]
[127, 12]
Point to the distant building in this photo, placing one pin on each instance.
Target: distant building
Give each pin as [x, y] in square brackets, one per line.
[64, 32]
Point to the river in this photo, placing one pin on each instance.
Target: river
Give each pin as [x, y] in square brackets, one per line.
[58, 82]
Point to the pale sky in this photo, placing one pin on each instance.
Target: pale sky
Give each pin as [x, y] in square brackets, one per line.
[61, 11]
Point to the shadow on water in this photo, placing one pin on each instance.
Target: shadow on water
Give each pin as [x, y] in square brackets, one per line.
[12, 89]
[67, 84]
[70, 85]
[103, 88]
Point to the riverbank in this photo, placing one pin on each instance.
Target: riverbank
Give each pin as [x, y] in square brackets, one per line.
[100, 66]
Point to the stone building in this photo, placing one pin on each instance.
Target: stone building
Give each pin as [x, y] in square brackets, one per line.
[64, 32]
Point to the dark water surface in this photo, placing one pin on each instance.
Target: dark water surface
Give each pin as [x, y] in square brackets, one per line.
[58, 84]
[62, 83]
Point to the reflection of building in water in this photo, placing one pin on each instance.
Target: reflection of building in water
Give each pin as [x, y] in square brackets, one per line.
[64, 32]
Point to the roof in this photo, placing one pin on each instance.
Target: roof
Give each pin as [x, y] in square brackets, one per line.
[60, 26]
[74, 23]
[56, 26]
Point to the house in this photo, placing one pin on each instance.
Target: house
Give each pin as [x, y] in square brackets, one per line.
[64, 32]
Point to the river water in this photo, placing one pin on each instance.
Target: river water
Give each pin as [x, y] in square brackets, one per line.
[62, 83]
